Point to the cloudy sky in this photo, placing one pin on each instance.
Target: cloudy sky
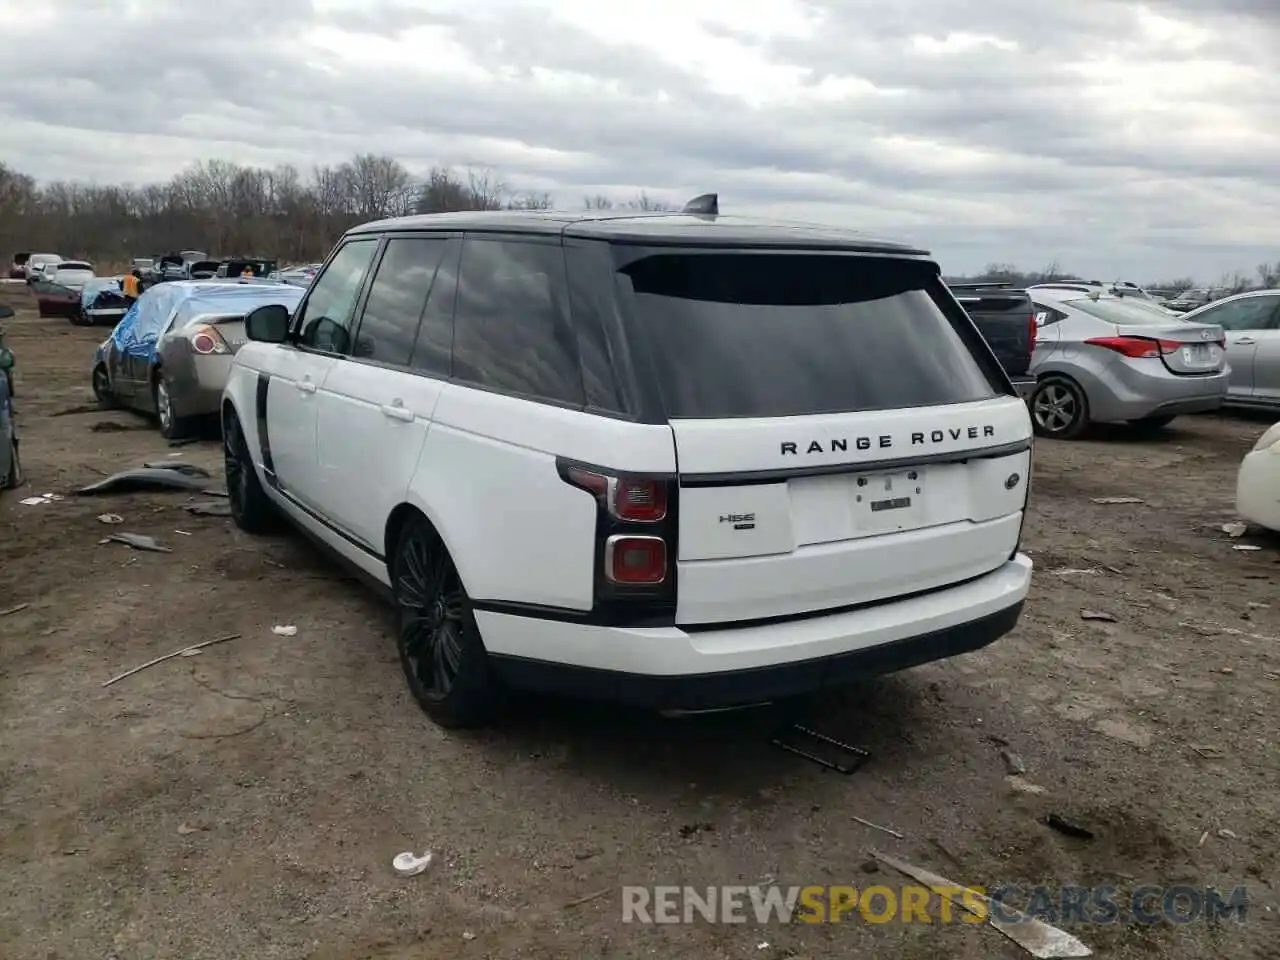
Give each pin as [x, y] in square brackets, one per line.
[1120, 139]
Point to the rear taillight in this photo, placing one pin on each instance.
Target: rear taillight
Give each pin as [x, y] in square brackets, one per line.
[1137, 347]
[634, 579]
[206, 340]
[636, 499]
[1035, 328]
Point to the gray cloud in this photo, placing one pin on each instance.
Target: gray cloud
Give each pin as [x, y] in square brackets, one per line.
[1004, 146]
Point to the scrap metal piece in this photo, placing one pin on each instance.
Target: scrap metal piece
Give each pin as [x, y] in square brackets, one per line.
[860, 756]
[209, 508]
[137, 541]
[1035, 936]
[144, 478]
[190, 469]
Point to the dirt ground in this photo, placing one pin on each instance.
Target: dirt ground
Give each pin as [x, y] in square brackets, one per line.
[247, 802]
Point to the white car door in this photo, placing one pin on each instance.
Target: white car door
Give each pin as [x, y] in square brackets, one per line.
[375, 408]
[322, 330]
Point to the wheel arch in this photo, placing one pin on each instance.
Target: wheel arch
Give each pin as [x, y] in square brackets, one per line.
[396, 520]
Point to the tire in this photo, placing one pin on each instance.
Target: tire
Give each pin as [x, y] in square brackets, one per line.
[102, 389]
[14, 478]
[441, 652]
[1153, 423]
[1059, 408]
[172, 427]
[250, 508]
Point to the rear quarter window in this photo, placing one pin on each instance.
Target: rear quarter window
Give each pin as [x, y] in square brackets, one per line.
[777, 335]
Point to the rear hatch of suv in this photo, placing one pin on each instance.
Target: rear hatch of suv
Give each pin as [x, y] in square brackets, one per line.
[843, 434]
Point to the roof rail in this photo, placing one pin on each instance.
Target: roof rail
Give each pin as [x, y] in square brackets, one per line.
[707, 204]
[978, 284]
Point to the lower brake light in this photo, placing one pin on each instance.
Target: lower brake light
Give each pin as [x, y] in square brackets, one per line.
[635, 559]
[1035, 328]
[1137, 347]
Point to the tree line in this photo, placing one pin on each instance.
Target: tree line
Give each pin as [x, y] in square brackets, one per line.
[229, 209]
[1265, 276]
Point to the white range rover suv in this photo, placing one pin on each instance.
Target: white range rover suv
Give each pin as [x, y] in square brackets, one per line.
[680, 460]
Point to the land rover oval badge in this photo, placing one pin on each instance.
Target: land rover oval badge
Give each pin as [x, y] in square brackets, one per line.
[1012, 481]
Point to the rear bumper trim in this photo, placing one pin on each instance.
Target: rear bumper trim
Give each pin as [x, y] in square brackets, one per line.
[758, 684]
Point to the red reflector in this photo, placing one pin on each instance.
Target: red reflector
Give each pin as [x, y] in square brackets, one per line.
[1035, 328]
[637, 560]
[641, 500]
[203, 343]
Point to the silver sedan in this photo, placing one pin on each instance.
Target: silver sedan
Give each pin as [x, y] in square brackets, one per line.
[1105, 358]
[1252, 324]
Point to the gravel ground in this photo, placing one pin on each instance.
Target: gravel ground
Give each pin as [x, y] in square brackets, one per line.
[247, 802]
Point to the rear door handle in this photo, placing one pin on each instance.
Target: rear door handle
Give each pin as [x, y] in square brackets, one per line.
[306, 386]
[397, 411]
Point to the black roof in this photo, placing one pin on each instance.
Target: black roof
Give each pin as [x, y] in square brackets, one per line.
[659, 229]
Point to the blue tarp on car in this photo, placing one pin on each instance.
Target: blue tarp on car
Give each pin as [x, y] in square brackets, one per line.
[140, 329]
[98, 285]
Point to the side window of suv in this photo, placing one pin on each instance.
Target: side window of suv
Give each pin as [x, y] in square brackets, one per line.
[511, 325]
[324, 322]
[1251, 313]
[397, 296]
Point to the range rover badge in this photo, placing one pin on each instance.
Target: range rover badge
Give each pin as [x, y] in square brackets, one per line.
[1011, 481]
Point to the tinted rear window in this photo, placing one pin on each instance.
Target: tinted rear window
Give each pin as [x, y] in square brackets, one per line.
[779, 335]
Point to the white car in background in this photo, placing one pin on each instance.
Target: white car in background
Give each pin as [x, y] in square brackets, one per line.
[37, 262]
[72, 274]
[1258, 483]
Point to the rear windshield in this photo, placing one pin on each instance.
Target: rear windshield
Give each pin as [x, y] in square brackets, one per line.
[1121, 311]
[785, 335]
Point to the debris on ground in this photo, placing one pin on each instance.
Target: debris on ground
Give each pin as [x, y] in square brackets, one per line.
[409, 864]
[169, 656]
[1209, 752]
[144, 478]
[9, 610]
[876, 826]
[1114, 500]
[209, 508]
[182, 533]
[1226, 834]
[1023, 785]
[110, 518]
[1236, 529]
[1013, 763]
[1097, 615]
[1064, 826]
[1035, 936]
[587, 899]
[798, 732]
[43, 498]
[190, 469]
[183, 441]
[285, 630]
[137, 541]
[110, 426]
[468, 935]
[1246, 546]
[1075, 571]
[186, 829]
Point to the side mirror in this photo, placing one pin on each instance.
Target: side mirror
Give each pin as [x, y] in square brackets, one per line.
[268, 324]
[6, 313]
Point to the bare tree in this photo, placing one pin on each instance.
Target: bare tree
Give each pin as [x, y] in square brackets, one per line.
[642, 201]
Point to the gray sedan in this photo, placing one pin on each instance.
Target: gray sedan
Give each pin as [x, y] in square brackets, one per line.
[1252, 324]
[1104, 358]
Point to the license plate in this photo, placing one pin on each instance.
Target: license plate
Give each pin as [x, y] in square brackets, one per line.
[1199, 355]
[888, 500]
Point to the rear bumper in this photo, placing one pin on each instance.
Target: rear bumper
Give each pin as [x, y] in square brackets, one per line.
[1133, 389]
[196, 382]
[669, 668]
